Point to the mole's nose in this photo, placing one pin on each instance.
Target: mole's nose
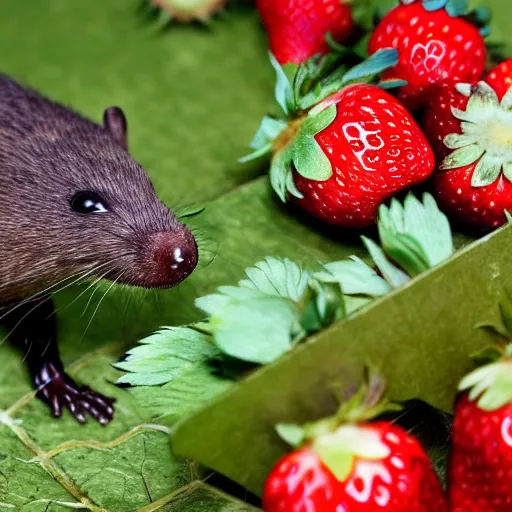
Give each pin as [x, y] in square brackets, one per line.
[175, 255]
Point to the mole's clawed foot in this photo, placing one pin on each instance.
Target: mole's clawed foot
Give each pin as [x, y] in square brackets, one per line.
[59, 390]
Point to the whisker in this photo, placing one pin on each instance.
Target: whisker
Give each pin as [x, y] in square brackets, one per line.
[125, 313]
[95, 282]
[39, 303]
[27, 353]
[98, 306]
[46, 348]
[82, 275]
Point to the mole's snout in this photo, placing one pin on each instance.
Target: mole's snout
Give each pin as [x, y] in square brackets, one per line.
[174, 255]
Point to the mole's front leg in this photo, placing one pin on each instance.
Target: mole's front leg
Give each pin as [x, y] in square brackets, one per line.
[32, 327]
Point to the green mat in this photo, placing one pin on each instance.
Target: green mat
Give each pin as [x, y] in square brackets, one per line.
[193, 97]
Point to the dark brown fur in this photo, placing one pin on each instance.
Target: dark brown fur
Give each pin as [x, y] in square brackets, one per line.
[48, 153]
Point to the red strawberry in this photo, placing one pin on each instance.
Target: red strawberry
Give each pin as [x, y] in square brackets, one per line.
[297, 29]
[353, 467]
[434, 47]
[481, 459]
[500, 78]
[471, 134]
[187, 11]
[346, 147]
[301, 480]
[374, 148]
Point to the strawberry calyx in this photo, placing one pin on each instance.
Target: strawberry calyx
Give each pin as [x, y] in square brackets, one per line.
[308, 94]
[504, 327]
[486, 137]
[338, 449]
[501, 349]
[298, 149]
[338, 439]
[187, 10]
[480, 16]
[365, 72]
[490, 385]
[452, 7]
[415, 236]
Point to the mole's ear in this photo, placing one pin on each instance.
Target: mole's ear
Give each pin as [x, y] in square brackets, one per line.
[115, 122]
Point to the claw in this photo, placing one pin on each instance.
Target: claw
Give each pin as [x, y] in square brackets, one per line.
[104, 421]
[56, 408]
[58, 390]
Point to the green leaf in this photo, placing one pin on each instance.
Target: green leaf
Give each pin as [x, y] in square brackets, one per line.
[397, 243]
[457, 140]
[212, 304]
[507, 171]
[291, 188]
[416, 235]
[329, 306]
[257, 330]
[391, 84]
[490, 386]
[309, 158]
[506, 101]
[189, 211]
[280, 173]
[487, 355]
[258, 153]
[284, 91]
[429, 227]
[338, 449]
[363, 68]
[485, 31]
[487, 171]
[196, 385]
[375, 64]
[393, 275]
[321, 69]
[483, 99]
[462, 157]
[291, 434]
[355, 278]
[434, 5]
[457, 8]
[505, 307]
[165, 355]
[482, 15]
[263, 141]
[268, 131]
[283, 278]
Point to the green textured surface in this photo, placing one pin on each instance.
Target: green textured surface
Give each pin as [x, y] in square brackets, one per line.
[193, 97]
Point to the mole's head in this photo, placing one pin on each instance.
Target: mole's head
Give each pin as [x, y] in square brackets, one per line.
[133, 236]
[89, 207]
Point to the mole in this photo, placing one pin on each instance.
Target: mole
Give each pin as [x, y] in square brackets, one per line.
[73, 205]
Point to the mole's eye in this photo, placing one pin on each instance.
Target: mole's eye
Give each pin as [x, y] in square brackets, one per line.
[88, 202]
